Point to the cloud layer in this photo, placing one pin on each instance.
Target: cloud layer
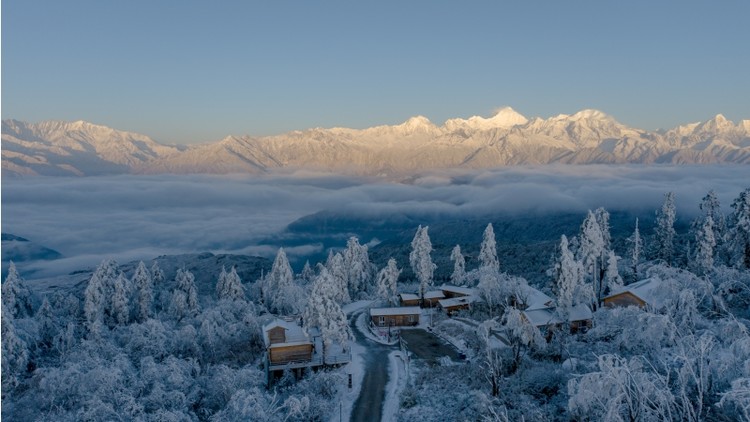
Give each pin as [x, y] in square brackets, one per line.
[138, 217]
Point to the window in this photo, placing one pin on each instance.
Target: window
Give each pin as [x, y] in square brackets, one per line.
[381, 321]
[411, 318]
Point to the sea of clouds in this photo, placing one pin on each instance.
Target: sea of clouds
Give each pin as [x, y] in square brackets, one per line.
[141, 217]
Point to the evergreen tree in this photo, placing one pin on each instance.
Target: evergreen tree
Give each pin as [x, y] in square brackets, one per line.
[324, 312]
[705, 245]
[145, 292]
[308, 274]
[47, 325]
[458, 277]
[636, 249]
[711, 207]
[358, 267]
[739, 236]
[184, 301]
[602, 219]
[591, 251]
[488, 250]
[97, 304]
[229, 286]
[277, 283]
[420, 260]
[16, 295]
[14, 352]
[612, 278]
[157, 283]
[386, 281]
[665, 233]
[338, 274]
[568, 277]
[120, 301]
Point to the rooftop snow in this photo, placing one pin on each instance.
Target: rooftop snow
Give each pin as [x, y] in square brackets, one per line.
[293, 333]
[408, 296]
[457, 301]
[468, 291]
[400, 310]
[647, 290]
[434, 294]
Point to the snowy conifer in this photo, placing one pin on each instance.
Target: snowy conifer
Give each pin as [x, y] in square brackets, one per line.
[739, 235]
[568, 274]
[665, 233]
[308, 274]
[230, 286]
[458, 277]
[338, 274]
[157, 283]
[705, 245]
[14, 352]
[184, 301]
[711, 207]
[358, 267]
[636, 248]
[47, 325]
[420, 259]
[324, 312]
[120, 300]
[591, 251]
[144, 288]
[386, 281]
[602, 219]
[612, 279]
[520, 334]
[98, 294]
[488, 250]
[16, 295]
[278, 282]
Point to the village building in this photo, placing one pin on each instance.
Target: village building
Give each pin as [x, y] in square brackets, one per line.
[432, 298]
[547, 320]
[408, 299]
[402, 316]
[450, 291]
[644, 294]
[455, 304]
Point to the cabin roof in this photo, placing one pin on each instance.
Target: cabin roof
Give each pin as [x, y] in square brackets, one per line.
[409, 296]
[546, 316]
[468, 291]
[647, 290]
[293, 333]
[434, 294]
[457, 301]
[534, 298]
[398, 310]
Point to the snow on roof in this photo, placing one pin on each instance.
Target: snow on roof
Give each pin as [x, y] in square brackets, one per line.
[293, 333]
[434, 294]
[580, 312]
[457, 301]
[399, 310]
[408, 296]
[647, 290]
[535, 299]
[541, 317]
[468, 291]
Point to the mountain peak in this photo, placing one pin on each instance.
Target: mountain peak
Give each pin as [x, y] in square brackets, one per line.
[417, 123]
[507, 117]
[590, 113]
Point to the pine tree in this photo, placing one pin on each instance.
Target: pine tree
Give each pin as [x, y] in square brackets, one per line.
[47, 325]
[338, 275]
[97, 304]
[739, 236]
[358, 267]
[711, 207]
[145, 292]
[568, 277]
[157, 283]
[16, 295]
[705, 245]
[184, 301]
[14, 351]
[636, 248]
[591, 251]
[324, 312]
[120, 301]
[602, 219]
[612, 278]
[307, 275]
[386, 281]
[230, 286]
[458, 277]
[278, 282]
[665, 233]
[488, 250]
[420, 260]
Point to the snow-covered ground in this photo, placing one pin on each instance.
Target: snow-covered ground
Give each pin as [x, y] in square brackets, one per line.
[357, 368]
[397, 378]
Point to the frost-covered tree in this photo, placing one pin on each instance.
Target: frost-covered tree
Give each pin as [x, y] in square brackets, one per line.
[568, 277]
[184, 301]
[739, 234]
[636, 249]
[308, 274]
[144, 288]
[492, 361]
[612, 279]
[420, 259]
[358, 267]
[157, 283]
[520, 334]
[602, 218]
[16, 295]
[711, 207]
[591, 252]
[98, 294]
[47, 325]
[458, 277]
[121, 300]
[705, 245]
[386, 282]
[14, 352]
[488, 250]
[338, 274]
[665, 218]
[324, 312]
[229, 285]
[277, 283]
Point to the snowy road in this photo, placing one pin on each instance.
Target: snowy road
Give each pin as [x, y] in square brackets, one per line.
[369, 404]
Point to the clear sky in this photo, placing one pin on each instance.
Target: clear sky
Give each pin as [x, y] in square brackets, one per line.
[189, 71]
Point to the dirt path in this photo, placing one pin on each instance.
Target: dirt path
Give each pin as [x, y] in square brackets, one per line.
[369, 404]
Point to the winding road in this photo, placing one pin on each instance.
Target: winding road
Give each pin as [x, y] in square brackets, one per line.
[369, 404]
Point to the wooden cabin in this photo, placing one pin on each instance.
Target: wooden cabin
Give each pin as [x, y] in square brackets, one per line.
[409, 299]
[287, 343]
[403, 316]
[455, 304]
[432, 298]
[643, 294]
[546, 319]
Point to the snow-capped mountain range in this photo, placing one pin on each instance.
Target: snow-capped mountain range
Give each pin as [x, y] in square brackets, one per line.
[507, 138]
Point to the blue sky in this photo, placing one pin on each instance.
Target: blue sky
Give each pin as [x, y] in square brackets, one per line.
[187, 71]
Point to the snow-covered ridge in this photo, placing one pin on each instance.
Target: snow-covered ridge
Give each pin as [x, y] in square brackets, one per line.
[506, 138]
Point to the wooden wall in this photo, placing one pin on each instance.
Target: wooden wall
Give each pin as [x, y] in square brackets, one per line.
[624, 299]
[299, 352]
[277, 335]
[395, 320]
